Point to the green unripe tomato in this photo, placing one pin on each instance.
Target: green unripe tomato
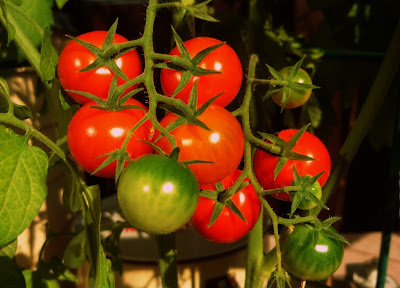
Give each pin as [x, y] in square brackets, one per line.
[308, 260]
[297, 97]
[315, 189]
[157, 194]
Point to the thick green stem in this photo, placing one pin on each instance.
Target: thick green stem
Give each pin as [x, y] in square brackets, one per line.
[167, 260]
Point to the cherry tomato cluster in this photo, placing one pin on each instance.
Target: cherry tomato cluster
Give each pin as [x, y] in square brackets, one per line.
[166, 184]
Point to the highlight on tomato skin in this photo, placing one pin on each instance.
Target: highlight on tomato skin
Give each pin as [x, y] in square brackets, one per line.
[93, 133]
[310, 145]
[224, 60]
[228, 227]
[75, 57]
[222, 145]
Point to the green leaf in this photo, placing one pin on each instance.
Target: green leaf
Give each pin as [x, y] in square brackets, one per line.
[333, 235]
[39, 11]
[10, 28]
[10, 274]
[48, 57]
[22, 184]
[72, 193]
[61, 3]
[4, 89]
[20, 111]
[9, 250]
[75, 254]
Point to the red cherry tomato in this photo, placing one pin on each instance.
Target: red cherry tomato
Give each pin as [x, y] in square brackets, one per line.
[93, 133]
[228, 227]
[223, 144]
[224, 60]
[75, 57]
[308, 144]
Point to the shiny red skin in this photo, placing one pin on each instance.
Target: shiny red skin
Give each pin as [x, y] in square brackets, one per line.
[223, 145]
[228, 227]
[75, 57]
[224, 59]
[93, 133]
[310, 145]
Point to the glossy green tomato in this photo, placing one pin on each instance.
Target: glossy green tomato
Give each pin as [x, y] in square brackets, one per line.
[157, 194]
[307, 260]
[296, 97]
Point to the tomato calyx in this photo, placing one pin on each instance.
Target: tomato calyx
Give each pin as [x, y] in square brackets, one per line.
[286, 84]
[222, 198]
[309, 193]
[319, 227]
[286, 148]
[186, 64]
[100, 53]
[105, 56]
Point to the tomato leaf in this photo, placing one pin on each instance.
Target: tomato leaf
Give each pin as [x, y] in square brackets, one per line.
[96, 99]
[9, 249]
[218, 206]
[75, 252]
[48, 57]
[31, 17]
[232, 206]
[27, 166]
[10, 28]
[71, 193]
